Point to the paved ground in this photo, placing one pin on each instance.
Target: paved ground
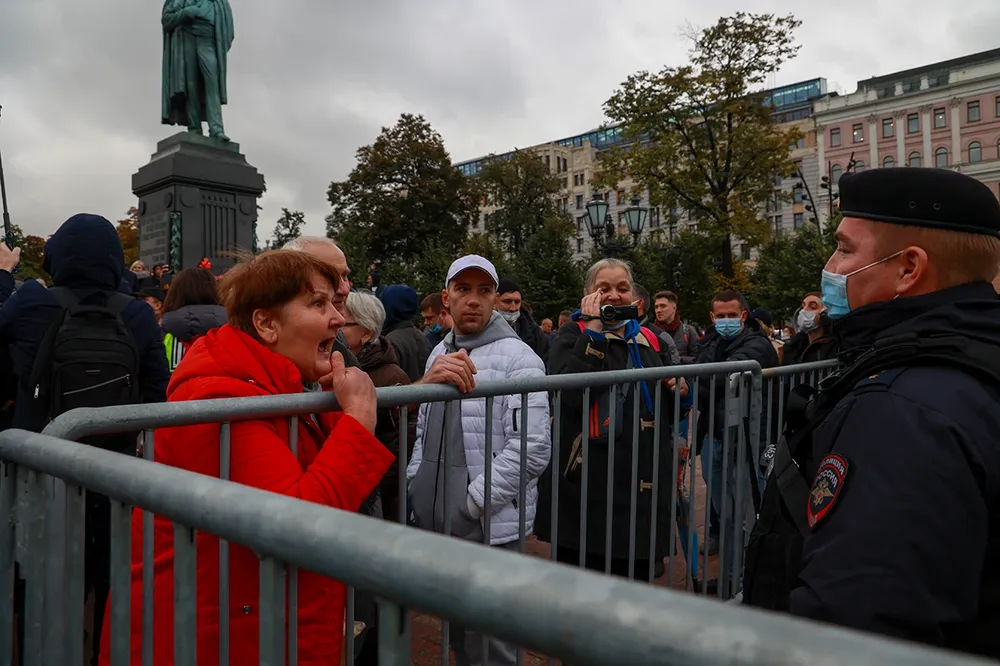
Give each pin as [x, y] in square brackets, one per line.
[426, 630]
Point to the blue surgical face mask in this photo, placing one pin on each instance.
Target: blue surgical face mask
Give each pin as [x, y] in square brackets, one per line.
[435, 329]
[728, 328]
[834, 288]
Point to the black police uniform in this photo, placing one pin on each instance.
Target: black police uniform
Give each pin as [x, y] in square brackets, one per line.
[882, 512]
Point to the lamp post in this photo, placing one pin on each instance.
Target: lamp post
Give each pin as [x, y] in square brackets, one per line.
[7, 229]
[811, 206]
[601, 225]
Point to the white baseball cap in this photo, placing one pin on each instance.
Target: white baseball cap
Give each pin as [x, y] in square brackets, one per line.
[471, 261]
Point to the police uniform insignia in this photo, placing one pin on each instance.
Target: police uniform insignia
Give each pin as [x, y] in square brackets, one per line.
[826, 488]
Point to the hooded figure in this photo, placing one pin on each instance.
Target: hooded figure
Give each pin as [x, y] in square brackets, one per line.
[84, 255]
[412, 348]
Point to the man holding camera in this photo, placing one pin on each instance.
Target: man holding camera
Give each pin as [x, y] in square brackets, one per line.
[736, 338]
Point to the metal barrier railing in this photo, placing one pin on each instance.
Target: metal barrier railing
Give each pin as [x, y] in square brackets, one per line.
[578, 616]
[726, 464]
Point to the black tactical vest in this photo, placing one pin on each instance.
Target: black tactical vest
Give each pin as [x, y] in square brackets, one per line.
[774, 551]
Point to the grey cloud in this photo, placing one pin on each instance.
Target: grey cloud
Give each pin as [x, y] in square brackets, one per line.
[311, 80]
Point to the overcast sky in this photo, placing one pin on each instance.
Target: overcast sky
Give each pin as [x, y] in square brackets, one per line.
[311, 80]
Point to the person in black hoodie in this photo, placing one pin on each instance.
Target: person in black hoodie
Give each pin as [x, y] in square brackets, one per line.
[814, 340]
[412, 347]
[736, 337]
[85, 256]
[891, 475]
[510, 308]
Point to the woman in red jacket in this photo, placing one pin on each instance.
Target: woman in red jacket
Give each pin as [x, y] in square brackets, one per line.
[282, 325]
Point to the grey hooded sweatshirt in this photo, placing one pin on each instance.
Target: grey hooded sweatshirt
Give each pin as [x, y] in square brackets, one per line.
[442, 480]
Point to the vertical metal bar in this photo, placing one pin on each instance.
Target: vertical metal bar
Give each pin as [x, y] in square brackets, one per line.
[185, 597]
[585, 450]
[53, 584]
[709, 446]
[724, 510]
[8, 506]
[293, 571]
[446, 461]
[556, 470]
[610, 490]
[121, 583]
[34, 610]
[349, 619]
[742, 489]
[225, 473]
[657, 445]
[393, 637]
[691, 557]
[76, 516]
[487, 506]
[522, 486]
[404, 445]
[148, 553]
[272, 613]
[633, 494]
[674, 434]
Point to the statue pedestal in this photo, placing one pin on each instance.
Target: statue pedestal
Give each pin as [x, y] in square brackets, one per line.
[197, 199]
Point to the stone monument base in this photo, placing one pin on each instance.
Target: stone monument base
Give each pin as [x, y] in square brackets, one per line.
[197, 199]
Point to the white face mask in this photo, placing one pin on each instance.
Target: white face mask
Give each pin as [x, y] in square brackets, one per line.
[510, 317]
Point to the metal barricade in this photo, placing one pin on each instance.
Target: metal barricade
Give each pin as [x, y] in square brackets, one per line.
[724, 465]
[577, 616]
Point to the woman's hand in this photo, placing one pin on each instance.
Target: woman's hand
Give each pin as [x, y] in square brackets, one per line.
[671, 383]
[590, 306]
[354, 390]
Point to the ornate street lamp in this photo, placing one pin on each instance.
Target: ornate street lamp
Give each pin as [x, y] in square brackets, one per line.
[597, 211]
[635, 218]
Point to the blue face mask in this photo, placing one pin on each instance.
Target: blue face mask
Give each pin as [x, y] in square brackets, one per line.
[834, 288]
[728, 328]
[435, 329]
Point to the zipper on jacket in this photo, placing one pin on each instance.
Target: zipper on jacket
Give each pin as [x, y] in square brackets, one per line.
[514, 419]
[126, 377]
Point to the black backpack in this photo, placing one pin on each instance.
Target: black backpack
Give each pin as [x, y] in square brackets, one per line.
[88, 358]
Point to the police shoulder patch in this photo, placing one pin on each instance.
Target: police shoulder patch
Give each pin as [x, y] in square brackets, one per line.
[826, 488]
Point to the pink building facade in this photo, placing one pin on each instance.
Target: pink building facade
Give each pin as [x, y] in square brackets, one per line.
[945, 115]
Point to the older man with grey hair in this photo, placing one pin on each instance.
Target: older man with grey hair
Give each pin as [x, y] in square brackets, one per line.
[327, 251]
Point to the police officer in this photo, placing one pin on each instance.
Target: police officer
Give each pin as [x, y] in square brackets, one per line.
[882, 510]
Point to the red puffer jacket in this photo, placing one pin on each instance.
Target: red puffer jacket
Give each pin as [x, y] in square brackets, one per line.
[339, 465]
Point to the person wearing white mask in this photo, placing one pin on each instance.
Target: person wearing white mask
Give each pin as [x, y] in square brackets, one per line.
[510, 307]
[813, 342]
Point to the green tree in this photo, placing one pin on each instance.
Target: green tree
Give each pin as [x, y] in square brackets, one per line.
[288, 227]
[128, 232]
[789, 267]
[489, 247]
[403, 188]
[32, 249]
[701, 136]
[545, 272]
[521, 190]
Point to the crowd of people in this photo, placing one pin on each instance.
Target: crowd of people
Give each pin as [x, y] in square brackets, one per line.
[290, 321]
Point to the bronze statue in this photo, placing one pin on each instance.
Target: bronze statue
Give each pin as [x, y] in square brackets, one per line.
[197, 35]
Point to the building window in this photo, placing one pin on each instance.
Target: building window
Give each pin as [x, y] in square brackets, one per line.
[888, 162]
[975, 152]
[913, 123]
[692, 228]
[579, 202]
[859, 166]
[972, 111]
[941, 157]
[777, 201]
[620, 197]
[797, 195]
[835, 132]
[777, 225]
[914, 159]
[798, 219]
[548, 164]
[939, 119]
[745, 252]
[858, 133]
[996, 111]
[888, 128]
[835, 172]
[579, 245]
[654, 217]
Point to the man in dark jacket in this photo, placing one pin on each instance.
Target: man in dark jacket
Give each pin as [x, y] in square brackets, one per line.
[814, 340]
[84, 255]
[737, 338]
[412, 347]
[509, 306]
[668, 318]
[891, 474]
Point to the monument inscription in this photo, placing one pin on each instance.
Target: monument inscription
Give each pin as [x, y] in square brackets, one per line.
[154, 239]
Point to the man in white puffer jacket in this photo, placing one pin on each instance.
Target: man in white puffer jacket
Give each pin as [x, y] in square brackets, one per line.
[451, 499]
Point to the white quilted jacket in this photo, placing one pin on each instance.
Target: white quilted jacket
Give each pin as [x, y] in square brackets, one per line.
[507, 358]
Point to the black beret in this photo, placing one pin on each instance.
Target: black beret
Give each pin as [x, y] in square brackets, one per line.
[922, 197]
[506, 286]
[763, 315]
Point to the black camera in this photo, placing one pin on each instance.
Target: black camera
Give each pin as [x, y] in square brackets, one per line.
[611, 313]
